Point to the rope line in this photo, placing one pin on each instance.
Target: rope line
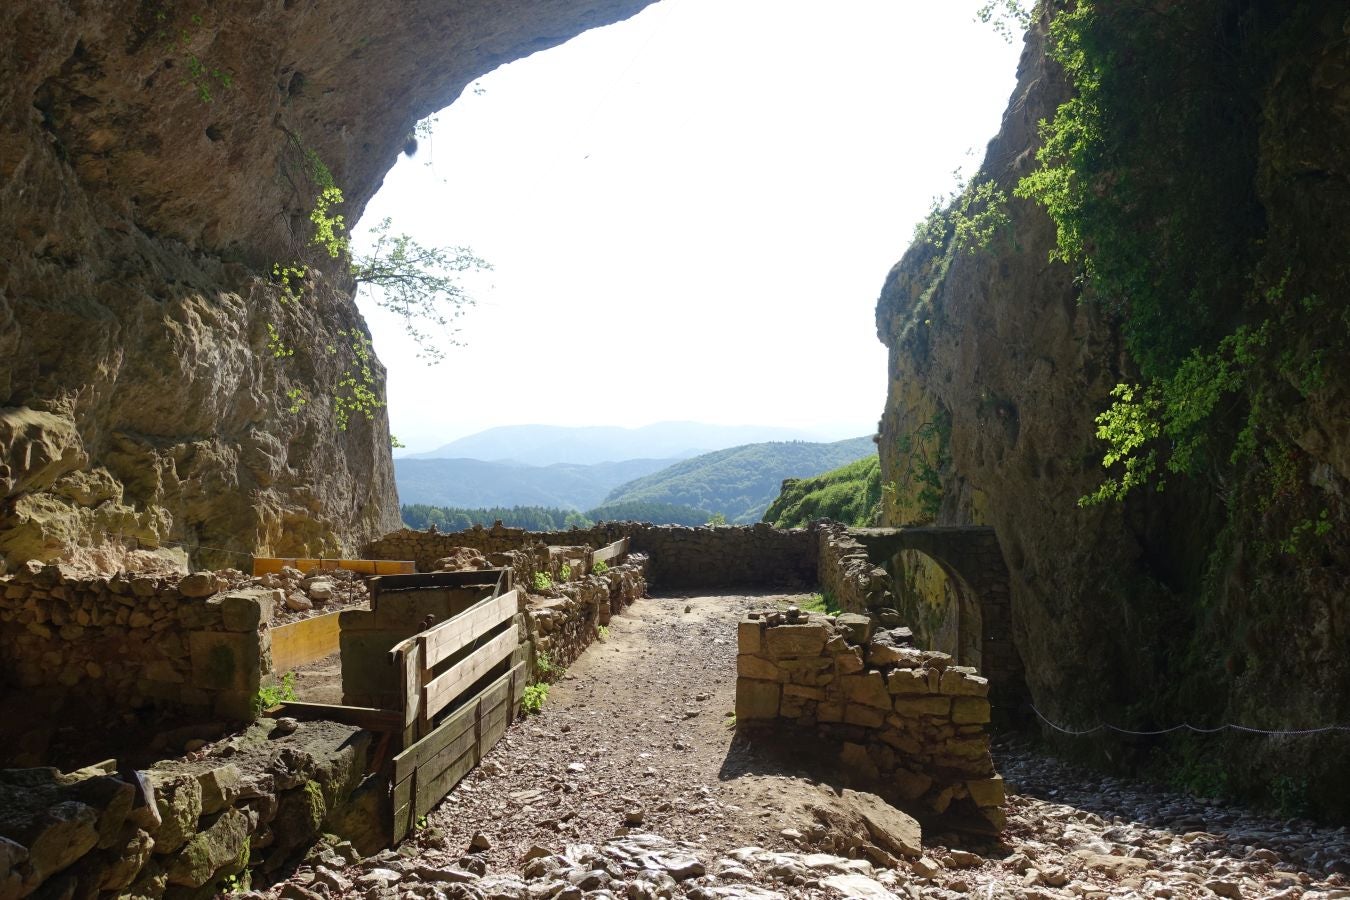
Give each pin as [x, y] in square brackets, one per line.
[1185, 726]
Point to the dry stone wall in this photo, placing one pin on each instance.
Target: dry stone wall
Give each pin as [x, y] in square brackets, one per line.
[564, 625]
[121, 643]
[848, 574]
[901, 719]
[177, 829]
[679, 557]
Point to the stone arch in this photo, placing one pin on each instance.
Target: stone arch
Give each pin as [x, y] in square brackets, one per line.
[972, 559]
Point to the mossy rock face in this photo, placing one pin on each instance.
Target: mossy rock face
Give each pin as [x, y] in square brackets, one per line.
[213, 850]
[300, 815]
[180, 806]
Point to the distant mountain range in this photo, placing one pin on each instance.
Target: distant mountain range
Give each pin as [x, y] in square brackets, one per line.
[477, 483]
[543, 445]
[740, 482]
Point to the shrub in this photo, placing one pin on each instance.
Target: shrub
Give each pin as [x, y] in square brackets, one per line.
[532, 701]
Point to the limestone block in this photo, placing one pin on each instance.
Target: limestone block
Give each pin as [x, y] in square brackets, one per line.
[199, 584]
[222, 846]
[987, 791]
[923, 706]
[754, 667]
[902, 742]
[795, 640]
[865, 716]
[888, 655]
[891, 829]
[179, 800]
[830, 712]
[849, 663]
[853, 759]
[220, 788]
[816, 671]
[970, 710]
[60, 835]
[804, 692]
[907, 682]
[756, 699]
[857, 628]
[225, 661]
[868, 688]
[245, 610]
[910, 785]
[128, 862]
[962, 684]
[749, 635]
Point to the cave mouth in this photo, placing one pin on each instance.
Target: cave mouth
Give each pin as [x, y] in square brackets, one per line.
[669, 204]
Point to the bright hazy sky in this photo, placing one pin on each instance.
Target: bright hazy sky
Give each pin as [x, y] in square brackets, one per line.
[690, 214]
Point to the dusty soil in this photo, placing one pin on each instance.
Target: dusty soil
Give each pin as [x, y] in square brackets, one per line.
[320, 681]
[641, 722]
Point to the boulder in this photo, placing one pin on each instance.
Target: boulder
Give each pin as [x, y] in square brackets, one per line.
[890, 828]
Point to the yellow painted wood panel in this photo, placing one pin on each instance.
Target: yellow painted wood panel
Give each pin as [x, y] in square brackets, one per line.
[262, 565]
[300, 643]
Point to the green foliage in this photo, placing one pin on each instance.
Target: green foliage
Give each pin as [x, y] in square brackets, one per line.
[600, 568]
[717, 519]
[533, 518]
[566, 572]
[648, 511]
[739, 482]
[542, 582]
[201, 76]
[1009, 18]
[357, 392]
[420, 284]
[543, 664]
[602, 633]
[275, 345]
[850, 494]
[969, 218]
[270, 695]
[533, 698]
[923, 455]
[821, 603]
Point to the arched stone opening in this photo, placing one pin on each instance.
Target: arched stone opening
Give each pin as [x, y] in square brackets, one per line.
[970, 557]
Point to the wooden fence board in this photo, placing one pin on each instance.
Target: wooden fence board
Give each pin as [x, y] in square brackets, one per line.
[613, 551]
[403, 796]
[442, 690]
[434, 791]
[447, 638]
[263, 565]
[299, 643]
[421, 752]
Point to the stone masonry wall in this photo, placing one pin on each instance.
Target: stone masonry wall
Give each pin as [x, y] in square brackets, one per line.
[904, 720]
[848, 573]
[177, 829]
[174, 644]
[680, 557]
[564, 625]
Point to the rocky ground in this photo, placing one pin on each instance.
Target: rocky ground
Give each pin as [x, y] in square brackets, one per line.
[632, 783]
[303, 595]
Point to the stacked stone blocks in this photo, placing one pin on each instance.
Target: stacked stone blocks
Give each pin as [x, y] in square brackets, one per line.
[905, 720]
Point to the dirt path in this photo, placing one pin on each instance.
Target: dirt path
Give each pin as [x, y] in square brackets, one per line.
[631, 784]
[638, 731]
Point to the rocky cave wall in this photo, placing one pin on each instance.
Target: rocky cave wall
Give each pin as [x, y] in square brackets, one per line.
[997, 371]
[155, 164]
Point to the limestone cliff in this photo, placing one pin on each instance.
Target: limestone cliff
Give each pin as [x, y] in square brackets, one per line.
[1159, 610]
[156, 160]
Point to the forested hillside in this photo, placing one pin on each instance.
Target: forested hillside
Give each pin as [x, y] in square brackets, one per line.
[850, 494]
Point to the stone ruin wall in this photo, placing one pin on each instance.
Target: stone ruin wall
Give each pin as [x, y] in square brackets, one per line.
[848, 574]
[178, 828]
[178, 645]
[679, 556]
[564, 626]
[904, 721]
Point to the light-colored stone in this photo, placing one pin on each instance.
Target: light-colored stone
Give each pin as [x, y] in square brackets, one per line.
[892, 830]
[868, 688]
[756, 699]
[757, 667]
[923, 706]
[970, 711]
[784, 641]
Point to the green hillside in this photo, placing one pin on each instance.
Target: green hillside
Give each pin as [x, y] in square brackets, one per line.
[850, 494]
[740, 482]
[542, 518]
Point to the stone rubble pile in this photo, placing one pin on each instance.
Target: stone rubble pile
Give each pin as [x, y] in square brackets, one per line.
[301, 595]
[181, 827]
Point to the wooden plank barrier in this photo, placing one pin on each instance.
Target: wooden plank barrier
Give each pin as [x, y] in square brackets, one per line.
[300, 643]
[615, 551]
[264, 565]
[425, 772]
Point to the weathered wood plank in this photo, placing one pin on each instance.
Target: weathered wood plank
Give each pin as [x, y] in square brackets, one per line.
[263, 565]
[613, 551]
[361, 716]
[403, 797]
[449, 637]
[441, 691]
[300, 643]
[443, 735]
[458, 723]
[434, 791]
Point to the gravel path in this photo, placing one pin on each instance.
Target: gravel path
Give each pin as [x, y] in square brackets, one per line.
[632, 764]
